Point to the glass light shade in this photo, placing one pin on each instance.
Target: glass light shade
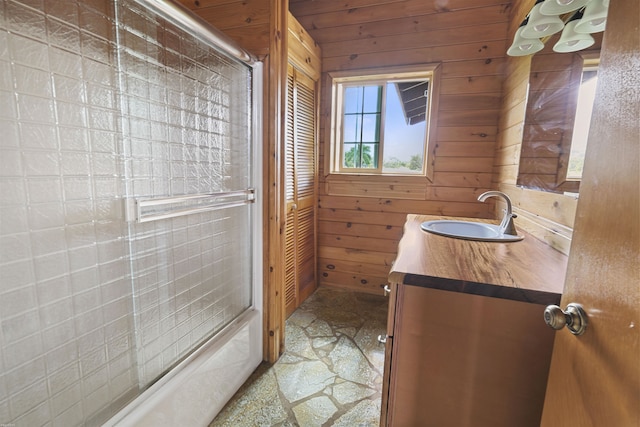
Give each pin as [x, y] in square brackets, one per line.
[594, 19]
[522, 46]
[570, 41]
[558, 7]
[540, 25]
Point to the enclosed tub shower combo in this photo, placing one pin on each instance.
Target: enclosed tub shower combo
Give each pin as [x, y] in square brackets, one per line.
[130, 222]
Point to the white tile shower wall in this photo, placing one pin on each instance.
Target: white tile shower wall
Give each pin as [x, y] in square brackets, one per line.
[68, 352]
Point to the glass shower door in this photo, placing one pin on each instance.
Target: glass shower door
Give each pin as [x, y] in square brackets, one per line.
[188, 153]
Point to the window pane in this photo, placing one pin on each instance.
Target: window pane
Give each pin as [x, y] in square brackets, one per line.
[586, 98]
[351, 155]
[404, 143]
[361, 123]
[370, 155]
[353, 99]
[371, 128]
[352, 128]
[360, 156]
[372, 99]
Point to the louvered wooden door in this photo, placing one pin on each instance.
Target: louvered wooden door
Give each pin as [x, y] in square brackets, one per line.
[300, 189]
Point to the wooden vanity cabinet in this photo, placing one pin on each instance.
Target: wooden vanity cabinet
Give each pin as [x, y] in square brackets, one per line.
[464, 352]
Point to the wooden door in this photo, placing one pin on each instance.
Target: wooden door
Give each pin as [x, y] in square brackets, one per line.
[300, 189]
[594, 378]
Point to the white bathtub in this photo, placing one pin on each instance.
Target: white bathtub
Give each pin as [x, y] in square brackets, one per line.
[197, 389]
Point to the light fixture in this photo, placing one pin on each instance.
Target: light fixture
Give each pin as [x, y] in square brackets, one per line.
[571, 41]
[595, 17]
[558, 7]
[540, 25]
[522, 46]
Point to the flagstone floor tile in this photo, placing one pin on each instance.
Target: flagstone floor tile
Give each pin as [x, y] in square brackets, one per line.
[330, 373]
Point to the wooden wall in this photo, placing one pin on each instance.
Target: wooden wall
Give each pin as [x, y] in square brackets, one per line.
[548, 216]
[361, 218]
[245, 21]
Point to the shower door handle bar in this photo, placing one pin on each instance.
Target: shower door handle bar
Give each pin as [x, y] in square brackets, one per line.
[171, 207]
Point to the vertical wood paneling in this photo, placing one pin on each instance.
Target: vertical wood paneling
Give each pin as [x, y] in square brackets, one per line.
[304, 52]
[361, 218]
[274, 106]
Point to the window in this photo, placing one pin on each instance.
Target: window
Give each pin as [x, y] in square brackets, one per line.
[381, 122]
[586, 97]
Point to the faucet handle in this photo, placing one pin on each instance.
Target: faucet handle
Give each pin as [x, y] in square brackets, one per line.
[506, 226]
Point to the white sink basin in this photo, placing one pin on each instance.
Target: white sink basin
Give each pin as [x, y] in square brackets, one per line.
[469, 230]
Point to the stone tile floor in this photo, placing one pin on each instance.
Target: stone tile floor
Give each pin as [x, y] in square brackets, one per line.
[330, 373]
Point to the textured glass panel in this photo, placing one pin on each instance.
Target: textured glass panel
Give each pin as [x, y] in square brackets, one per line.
[196, 264]
[63, 252]
[85, 123]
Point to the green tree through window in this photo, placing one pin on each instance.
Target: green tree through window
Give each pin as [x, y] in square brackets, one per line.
[415, 164]
[356, 159]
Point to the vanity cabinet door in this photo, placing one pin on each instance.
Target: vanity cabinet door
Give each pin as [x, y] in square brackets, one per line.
[466, 360]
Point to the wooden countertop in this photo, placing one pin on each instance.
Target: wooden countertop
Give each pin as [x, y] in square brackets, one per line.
[528, 270]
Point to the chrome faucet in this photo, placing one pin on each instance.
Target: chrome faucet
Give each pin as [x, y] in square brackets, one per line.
[506, 226]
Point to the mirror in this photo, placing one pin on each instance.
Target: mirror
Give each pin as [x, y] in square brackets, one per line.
[555, 116]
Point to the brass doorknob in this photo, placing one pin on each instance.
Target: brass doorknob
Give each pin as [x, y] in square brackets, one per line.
[574, 318]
